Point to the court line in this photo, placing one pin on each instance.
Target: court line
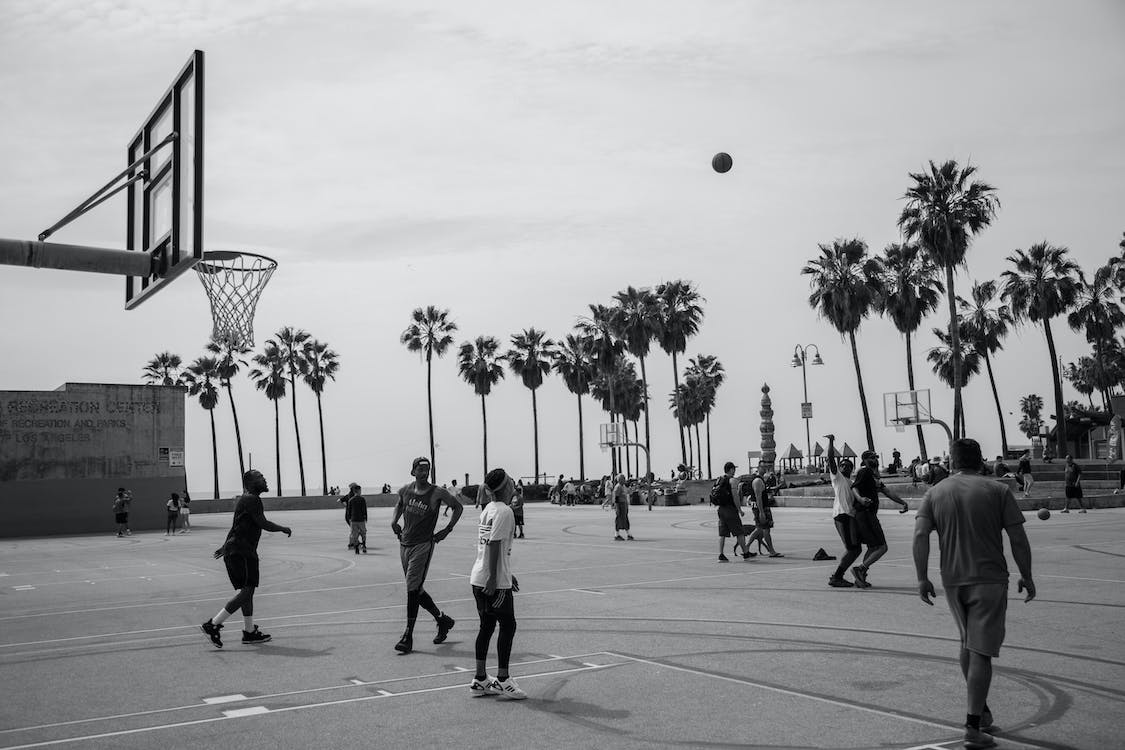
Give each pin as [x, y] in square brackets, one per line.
[1075, 578]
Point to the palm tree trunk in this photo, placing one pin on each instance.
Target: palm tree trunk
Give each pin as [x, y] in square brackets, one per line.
[709, 445]
[297, 429]
[1060, 415]
[484, 426]
[690, 449]
[862, 395]
[535, 432]
[636, 448]
[698, 449]
[430, 412]
[999, 411]
[581, 451]
[644, 399]
[237, 431]
[910, 381]
[214, 452]
[628, 461]
[679, 419]
[323, 457]
[955, 346]
[277, 442]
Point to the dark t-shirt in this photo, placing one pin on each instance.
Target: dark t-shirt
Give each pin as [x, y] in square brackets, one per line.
[1072, 474]
[357, 509]
[1024, 466]
[420, 511]
[866, 484]
[969, 511]
[246, 527]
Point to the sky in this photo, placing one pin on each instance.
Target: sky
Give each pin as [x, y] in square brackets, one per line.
[515, 162]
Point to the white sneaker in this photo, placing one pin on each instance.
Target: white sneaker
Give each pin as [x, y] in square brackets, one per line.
[509, 690]
[487, 686]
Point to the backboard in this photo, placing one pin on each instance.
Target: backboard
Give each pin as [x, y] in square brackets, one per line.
[902, 408]
[609, 434]
[165, 205]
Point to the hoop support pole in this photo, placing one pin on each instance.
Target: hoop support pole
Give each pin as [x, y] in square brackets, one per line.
[54, 255]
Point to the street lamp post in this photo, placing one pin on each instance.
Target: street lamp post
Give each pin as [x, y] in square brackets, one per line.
[800, 355]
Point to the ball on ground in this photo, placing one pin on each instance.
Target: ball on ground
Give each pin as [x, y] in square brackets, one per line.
[1044, 514]
[722, 162]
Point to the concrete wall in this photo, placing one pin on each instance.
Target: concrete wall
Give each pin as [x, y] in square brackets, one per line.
[64, 453]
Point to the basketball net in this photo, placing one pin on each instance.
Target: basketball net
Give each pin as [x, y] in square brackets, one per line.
[234, 282]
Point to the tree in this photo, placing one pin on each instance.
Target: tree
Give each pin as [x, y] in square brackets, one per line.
[710, 374]
[911, 290]
[1097, 313]
[1043, 285]
[229, 354]
[687, 402]
[321, 366]
[479, 365]
[530, 359]
[606, 351]
[637, 320]
[618, 390]
[269, 377]
[1082, 376]
[846, 284]
[1031, 423]
[572, 361]
[941, 357]
[200, 377]
[430, 332]
[291, 346]
[680, 318]
[943, 211]
[163, 369]
[986, 324]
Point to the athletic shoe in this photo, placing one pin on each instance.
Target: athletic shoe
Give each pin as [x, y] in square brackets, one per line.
[211, 630]
[509, 690]
[255, 636]
[840, 583]
[748, 554]
[860, 574]
[444, 625]
[618, 539]
[975, 739]
[631, 539]
[482, 688]
[1065, 510]
[776, 554]
[119, 534]
[723, 558]
[405, 644]
[986, 722]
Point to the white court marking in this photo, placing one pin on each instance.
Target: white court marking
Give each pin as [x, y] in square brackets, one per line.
[224, 699]
[236, 713]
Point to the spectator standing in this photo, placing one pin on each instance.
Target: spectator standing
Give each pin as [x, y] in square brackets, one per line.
[172, 505]
[121, 503]
[356, 515]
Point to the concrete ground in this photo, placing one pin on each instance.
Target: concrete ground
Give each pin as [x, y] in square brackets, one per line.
[642, 644]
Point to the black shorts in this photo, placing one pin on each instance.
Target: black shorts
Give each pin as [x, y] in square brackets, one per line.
[518, 515]
[868, 529]
[1074, 492]
[506, 611]
[730, 523]
[121, 518]
[242, 571]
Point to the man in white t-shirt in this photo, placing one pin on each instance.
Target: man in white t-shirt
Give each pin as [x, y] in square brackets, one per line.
[843, 513]
[493, 586]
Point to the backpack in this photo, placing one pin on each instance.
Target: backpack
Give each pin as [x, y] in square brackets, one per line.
[717, 492]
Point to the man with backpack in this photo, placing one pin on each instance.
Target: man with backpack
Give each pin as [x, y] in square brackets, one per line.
[730, 514]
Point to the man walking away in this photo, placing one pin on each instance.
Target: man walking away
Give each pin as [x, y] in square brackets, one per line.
[1072, 481]
[240, 555]
[493, 588]
[867, 486]
[968, 511]
[417, 507]
[730, 514]
[843, 513]
[356, 516]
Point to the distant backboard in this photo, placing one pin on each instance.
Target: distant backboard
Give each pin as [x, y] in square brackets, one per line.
[902, 408]
[610, 434]
[165, 206]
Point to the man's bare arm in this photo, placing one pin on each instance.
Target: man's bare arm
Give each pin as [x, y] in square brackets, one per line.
[1021, 552]
[923, 527]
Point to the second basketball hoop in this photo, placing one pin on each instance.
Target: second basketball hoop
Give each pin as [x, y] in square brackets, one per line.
[234, 282]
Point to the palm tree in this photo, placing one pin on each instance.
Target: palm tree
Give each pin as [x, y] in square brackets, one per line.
[572, 361]
[1031, 407]
[479, 365]
[911, 290]
[943, 211]
[229, 353]
[846, 285]
[530, 359]
[269, 377]
[163, 369]
[1097, 313]
[1082, 377]
[986, 325]
[321, 366]
[637, 320]
[291, 344]
[680, 318]
[687, 402]
[709, 371]
[430, 331]
[200, 377]
[941, 357]
[606, 351]
[617, 390]
[1044, 285]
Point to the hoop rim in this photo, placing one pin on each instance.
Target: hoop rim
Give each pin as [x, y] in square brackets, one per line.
[221, 255]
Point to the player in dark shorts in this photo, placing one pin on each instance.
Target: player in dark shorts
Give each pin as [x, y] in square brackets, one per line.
[867, 486]
[418, 505]
[240, 554]
[1072, 489]
[730, 514]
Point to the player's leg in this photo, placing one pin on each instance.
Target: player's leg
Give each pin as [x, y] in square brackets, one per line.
[483, 684]
[506, 615]
[846, 530]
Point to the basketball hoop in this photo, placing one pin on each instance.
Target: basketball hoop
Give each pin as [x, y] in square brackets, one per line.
[234, 282]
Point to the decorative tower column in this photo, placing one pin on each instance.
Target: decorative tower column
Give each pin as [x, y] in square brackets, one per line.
[769, 447]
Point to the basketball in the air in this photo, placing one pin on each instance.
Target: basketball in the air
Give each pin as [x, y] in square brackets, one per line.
[1044, 514]
[722, 162]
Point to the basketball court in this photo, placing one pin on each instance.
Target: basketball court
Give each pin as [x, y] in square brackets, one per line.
[625, 645]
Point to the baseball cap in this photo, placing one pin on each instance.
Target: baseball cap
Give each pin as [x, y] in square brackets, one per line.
[729, 465]
[419, 460]
[869, 454]
[355, 484]
[495, 479]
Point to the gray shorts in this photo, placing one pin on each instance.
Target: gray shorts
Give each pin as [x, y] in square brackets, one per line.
[416, 563]
[980, 610]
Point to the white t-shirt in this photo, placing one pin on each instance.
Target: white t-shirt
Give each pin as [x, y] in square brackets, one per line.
[842, 487]
[497, 523]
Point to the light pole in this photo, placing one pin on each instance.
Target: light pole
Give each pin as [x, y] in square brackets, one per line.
[800, 354]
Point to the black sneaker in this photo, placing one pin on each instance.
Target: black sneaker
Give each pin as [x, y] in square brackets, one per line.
[748, 554]
[255, 636]
[405, 644]
[211, 630]
[444, 625]
[723, 558]
[860, 574]
[840, 583]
